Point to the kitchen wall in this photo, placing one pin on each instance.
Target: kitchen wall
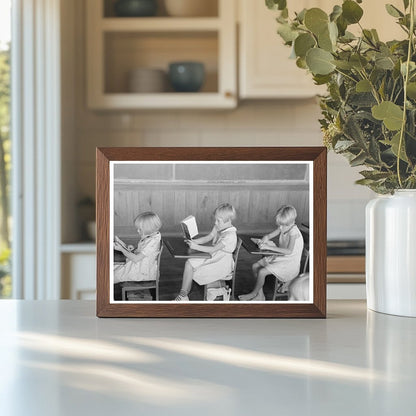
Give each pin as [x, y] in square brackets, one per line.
[253, 123]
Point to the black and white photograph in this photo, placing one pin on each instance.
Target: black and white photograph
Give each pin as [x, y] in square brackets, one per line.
[191, 231]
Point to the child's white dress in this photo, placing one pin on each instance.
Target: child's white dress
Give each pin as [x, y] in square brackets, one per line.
[146, 269]
[221, 264]
[286, 267]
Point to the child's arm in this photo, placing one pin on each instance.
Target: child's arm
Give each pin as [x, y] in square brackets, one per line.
[135, 258]
[271, 235]
[283, 250]
[206, 249]
[205, 239]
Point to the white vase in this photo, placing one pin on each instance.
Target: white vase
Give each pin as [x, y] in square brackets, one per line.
[391, 253]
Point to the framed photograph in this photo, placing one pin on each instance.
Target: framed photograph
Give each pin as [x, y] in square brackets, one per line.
[211, 232]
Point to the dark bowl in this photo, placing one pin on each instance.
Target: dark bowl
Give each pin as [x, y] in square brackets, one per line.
[186, 76]
[135, 8]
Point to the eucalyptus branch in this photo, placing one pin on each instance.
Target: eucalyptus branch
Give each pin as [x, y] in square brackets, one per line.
[373, 88]
[346, 75]
[406, 79]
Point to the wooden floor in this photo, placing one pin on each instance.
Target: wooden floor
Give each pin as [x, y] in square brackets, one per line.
[171, 271]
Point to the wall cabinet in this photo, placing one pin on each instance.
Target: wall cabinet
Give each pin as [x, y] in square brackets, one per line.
[264, 66]
[265, 70]
[119, 45]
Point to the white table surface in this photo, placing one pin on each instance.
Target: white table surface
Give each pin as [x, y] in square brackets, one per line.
[57, 358]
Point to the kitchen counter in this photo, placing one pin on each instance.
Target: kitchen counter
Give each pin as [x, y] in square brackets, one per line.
[57, 358]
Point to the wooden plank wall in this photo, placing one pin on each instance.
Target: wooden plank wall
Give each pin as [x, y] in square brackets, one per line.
[173, 199]
[255, 207]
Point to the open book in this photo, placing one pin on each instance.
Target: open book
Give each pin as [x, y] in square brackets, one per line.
[266, 245]
[121, 242]
[189, 227]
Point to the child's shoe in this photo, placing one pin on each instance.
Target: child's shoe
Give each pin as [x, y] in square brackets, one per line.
[182, 297]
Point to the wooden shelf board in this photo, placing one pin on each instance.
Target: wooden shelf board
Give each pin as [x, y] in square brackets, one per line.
[160, 24]
[163, 100]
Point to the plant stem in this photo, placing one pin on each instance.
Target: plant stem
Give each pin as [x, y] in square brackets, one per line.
[346, 75]
[405, 81]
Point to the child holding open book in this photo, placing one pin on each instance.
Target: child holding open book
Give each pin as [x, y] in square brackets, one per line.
[285, 265]
[220, 266]
[141, 263]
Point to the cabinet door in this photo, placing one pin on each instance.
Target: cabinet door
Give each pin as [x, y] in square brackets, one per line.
[266, 71]
[265, 68]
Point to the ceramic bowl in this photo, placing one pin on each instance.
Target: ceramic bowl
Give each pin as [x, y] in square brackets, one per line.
[186, 76]
[147, 80]
[135, 8]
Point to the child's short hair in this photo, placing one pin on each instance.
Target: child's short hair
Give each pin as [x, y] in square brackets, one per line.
[225, 211]
[286, 215]
[148, 222]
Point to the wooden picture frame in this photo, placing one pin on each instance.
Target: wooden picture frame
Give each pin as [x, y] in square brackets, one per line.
[271, 169]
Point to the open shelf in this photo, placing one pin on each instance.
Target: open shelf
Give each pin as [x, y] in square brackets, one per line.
[126, 51]
[116, 46]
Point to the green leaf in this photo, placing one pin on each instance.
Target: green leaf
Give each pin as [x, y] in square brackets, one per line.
[316, 20]
[368, 36]
[393, 11]
[363, 86]
[351, 11]
[333, 32]
[303, 43]
[391, 114]
[394, 143]
[411, 90]
[343, 145]
[301, 15]
[325, 42]
[344, 65]
[301, 63]
[321, 79]
[374, 174]
[384, 62]
[287, 33]
[359, 160]
[342, 25]
[276, 4]
[347, 37]
[336, 12]
[358, 61]
[319, 61]
[375, 35]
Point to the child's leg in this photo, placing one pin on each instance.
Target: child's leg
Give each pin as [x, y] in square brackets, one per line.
[261, 277]
[188, 274]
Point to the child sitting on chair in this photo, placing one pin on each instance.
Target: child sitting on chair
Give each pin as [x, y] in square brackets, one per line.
[221, 264]
[286, 264]
[141, 263]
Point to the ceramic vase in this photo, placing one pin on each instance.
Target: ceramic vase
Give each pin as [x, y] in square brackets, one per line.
[391, 253]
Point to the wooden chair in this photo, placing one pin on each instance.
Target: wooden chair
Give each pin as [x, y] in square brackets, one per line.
[223, 282]
[132, 286]
[303, 268]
